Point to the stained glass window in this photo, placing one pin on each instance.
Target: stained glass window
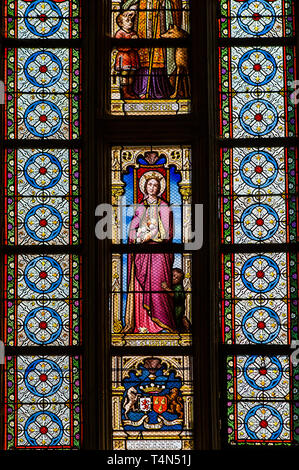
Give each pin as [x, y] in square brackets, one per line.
[42, 199]
[41, 207]
[43, 93]
[259, 298]
[151, 290]
[262, 394]
[42, 300]
[152, 400]
[151, 297]
[258, 201]
[46, 19]
[256, 87]
[43, 398]
[155, 78]
[252, 18]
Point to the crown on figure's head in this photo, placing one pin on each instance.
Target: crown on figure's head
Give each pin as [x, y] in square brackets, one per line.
[152, 176]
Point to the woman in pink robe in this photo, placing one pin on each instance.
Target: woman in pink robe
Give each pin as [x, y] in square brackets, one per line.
[148, 308]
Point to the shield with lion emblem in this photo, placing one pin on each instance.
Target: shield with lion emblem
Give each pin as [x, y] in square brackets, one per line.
[145, 404]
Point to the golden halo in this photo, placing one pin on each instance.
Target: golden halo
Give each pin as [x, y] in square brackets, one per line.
[152, 175]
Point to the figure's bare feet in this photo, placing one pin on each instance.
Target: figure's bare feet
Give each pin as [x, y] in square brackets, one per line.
[142, 97]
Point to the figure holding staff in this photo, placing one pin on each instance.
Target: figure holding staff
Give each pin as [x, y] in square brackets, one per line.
[154, 18]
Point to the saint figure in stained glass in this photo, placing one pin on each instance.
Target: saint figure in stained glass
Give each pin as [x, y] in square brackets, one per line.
[152, 224]
[127, 59]
[151, 79]
[151, 287]
[153, 19]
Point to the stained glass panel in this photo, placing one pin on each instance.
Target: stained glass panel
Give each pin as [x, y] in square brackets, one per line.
[42, 197]
[131, 169]
[152, 403]
[42, 19]
[156, 310]
[42, 300]
[258, 202]
[43, 89]
[41, 205]
[256, 18]
[150, 80]
[43, 402]
[256, 85]
[164, 91]
[151, 291]
[259, 298]
[262, 402]
[258, 195]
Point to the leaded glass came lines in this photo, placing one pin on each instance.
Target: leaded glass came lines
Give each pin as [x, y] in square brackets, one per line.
[258, 202]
